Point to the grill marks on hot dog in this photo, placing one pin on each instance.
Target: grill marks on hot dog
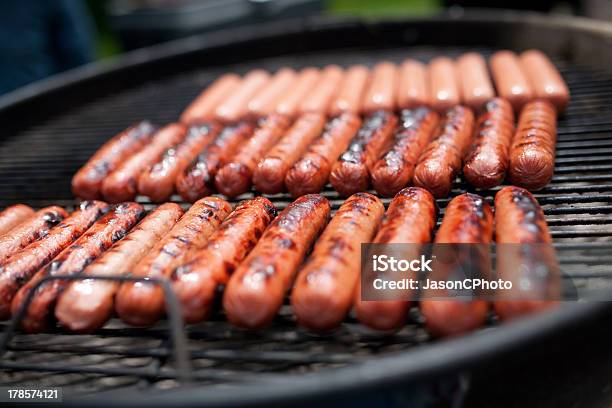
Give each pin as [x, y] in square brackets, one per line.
[157, 180]
[310, 173]
[71, 261]
[351, 93]
[532, 154]
[440, 163]
[235, 177]
[351, 173]
[121, 184]
[476, 87]
[195, 282]
[510, 79]
[197, 180]
[19, 268]
[486, 163]
[32, 229]
[141, 303]
[269, 176]
[86, 305]
[87, 182]
[545, 80]
[325, 287]
[14, 215]
[202, 109]
[394, 170]
[411, 218]
[468, 219]
[256, 290]
[382, 91]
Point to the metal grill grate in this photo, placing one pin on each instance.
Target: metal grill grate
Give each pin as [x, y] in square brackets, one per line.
[37, 163]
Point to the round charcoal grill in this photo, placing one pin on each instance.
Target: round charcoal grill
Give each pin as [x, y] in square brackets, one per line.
[50, 129]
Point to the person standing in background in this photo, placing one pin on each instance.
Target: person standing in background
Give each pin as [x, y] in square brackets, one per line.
[39, 38]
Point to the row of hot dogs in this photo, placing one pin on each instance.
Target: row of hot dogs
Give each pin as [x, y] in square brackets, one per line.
[257, 255]
[385, 152]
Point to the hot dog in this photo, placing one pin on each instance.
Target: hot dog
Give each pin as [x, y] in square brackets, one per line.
[141, 303]
[121, 184]
[87, 182]
[411, 218]
[443, 84]
[202, 109]
[532, 153]
[545, 80]
[14, 215]
[510, 80]
[487, 160]
[19, 268]
[381, 93]
[310, 173]
[394, 170]
[195, 282]
[289, 103]
[256, 290]
[235, 107]
[157, 180]
[266, 100]
[319, 99]
[34, 228]
[351, 173]
[324, 289]
[468, 220]
[235, 177]
[350, 94]
[86, 305]
[476, 87]
[71, 261]
[413, 87]
[269, 176]
[198, 179]
[440, 162]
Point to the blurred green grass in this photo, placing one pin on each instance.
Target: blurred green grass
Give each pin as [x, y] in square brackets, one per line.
[379, 8]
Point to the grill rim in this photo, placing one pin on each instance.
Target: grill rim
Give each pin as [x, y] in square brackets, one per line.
[420, 363]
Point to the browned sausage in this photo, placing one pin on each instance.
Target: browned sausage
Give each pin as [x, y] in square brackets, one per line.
[324, 289]
[510, 80]
[235, 107]
[545, 80]
[411, 218]
[310, 173]
[71, 261]
[195, 282]
[256, 289]
[532, 154]
[202, 109]
[487, 160]
[14, 215]
[87, 182]
[394, 170]
[350, 94]
[382, 91]
[289, 103]
[142, 304]
[121, 184]
[157, 180]
[269, 176]
[476, 87]
[443, 84]
[351, 173]
[87, 304]
[34, 228]
[440, 163]
[519, 219]
[235, 177]
[468, 219]
[198, 179]
[319, 99]
[19, 268]
[264, 103]
[413, 86]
